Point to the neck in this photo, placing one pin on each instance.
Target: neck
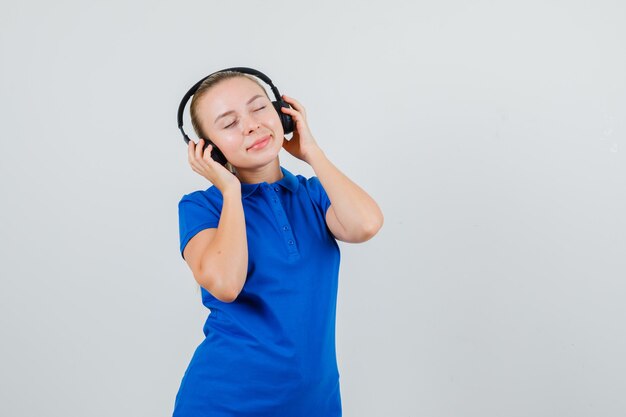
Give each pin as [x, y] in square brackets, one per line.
[269, 173]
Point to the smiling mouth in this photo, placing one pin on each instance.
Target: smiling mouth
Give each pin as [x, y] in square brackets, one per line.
[261, 143]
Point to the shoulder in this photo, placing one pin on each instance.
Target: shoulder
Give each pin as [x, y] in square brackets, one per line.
[315, 192]
[209, 197]
[311, 184]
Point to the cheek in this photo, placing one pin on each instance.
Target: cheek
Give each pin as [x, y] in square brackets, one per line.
[277, 125]
[227, 141]
[279, 142]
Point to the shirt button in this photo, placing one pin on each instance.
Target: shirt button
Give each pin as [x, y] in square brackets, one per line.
[276, 188]
[285, 228]
[290, 242]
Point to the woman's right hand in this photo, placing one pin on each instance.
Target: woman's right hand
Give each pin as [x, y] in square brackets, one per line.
[216, 173]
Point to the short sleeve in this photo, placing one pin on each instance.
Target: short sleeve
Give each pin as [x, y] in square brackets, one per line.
[195, 213]
[318, 194]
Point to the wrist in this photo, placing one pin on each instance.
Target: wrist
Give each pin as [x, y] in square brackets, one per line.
[232, 192]
[315, 155]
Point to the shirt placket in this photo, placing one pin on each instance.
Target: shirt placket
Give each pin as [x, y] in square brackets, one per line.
[271, 194]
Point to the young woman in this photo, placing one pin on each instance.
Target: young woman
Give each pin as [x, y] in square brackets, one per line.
[261, 243]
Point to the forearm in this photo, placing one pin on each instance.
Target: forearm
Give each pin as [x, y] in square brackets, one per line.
[355, 210]
[225, 259]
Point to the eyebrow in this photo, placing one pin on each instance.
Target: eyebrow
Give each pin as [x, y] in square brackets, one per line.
[232, 111]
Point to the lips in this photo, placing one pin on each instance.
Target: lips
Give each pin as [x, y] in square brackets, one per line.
[260, 142]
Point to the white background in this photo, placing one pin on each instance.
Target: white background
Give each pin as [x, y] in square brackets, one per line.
[492, 134]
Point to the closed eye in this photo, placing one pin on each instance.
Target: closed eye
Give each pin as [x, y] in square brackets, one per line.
[235, 122]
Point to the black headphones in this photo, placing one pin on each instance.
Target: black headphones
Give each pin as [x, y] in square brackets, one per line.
[216, 154]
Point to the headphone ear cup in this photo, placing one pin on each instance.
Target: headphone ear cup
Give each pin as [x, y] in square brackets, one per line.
[285, 119]
[216, 154]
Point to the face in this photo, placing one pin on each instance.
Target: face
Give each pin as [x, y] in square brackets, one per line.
[242, 122]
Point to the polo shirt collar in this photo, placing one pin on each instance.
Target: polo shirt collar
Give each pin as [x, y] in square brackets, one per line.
[288, 181]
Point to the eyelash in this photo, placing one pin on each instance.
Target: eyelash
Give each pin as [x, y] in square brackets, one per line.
[235, 122]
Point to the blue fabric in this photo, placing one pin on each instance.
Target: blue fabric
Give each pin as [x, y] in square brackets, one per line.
[271, 352]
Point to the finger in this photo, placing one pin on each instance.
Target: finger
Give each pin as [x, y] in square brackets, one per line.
[194, 161]
[199, 149]
[291, 111]
[294, 103]
[191, 151]
[207, 153]
[295, 114]
[207, 158]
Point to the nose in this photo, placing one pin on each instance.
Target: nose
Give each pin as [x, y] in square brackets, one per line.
[250, 124]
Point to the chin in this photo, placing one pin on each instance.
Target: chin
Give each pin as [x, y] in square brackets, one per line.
[272, 153]
[258, 162]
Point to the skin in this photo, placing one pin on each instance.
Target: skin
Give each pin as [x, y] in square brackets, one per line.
[218, 256]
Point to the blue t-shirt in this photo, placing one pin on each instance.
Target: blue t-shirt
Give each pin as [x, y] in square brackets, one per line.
[271, 352]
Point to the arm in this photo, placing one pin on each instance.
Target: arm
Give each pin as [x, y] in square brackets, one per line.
[353, 215]
[218, 257]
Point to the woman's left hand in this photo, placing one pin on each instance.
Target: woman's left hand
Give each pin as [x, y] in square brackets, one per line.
[302, 145]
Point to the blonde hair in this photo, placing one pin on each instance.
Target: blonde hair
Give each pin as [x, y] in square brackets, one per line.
[205, 86]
